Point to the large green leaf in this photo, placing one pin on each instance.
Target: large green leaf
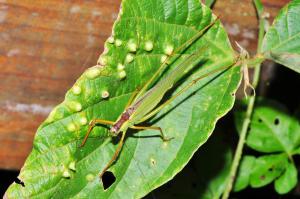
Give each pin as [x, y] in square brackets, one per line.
[146, 30]
[282, 41]
[266, 169]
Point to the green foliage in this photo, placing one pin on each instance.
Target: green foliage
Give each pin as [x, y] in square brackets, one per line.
[144, 33]
[277, 134]
[282, 41]
[244, 172]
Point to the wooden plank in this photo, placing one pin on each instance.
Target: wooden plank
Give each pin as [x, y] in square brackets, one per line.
[239, 19]
[46, 45]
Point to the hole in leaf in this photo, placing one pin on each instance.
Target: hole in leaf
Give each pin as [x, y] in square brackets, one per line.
[276, 121]
[20, 182]
[108, 179]
[270, 169]
[260, 120]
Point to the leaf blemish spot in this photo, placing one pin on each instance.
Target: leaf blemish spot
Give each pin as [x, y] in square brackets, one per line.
[148, 45]
[111, 40]
[72, 166]
[165, 144]
[54, 114]
[153, 161]
[89, 177]
[118, 42]
[103, 60]
[120, 67]
[76, 90]
[129, 58]
[168, 50]
[92, 73]
[76, 106]
[122, 74]
[163, 58]
[71, 127]
[132, 46]
[66, 173]
[104, 94]
[83, 120]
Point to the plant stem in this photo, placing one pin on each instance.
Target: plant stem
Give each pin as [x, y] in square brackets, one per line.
[246, 122]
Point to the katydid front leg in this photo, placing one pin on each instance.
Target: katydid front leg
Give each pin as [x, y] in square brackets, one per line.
[92, 124]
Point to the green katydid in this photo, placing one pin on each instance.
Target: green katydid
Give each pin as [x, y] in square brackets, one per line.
[143, 104]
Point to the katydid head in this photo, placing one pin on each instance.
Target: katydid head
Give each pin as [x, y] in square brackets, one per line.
[120, 124]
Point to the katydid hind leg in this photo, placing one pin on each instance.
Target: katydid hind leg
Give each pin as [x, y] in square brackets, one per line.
[115, 156]
[192, 83]
[162, 135]
[92, 124]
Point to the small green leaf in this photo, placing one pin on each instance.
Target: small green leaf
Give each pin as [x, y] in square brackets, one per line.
[146, 31]
[244, 173]
[286, 182]
[267, 168]
[282, 41]
[271, 128]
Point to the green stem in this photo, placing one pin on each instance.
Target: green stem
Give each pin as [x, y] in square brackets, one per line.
[246, 122]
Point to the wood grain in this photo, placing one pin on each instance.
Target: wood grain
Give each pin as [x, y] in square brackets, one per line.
[45, 46]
